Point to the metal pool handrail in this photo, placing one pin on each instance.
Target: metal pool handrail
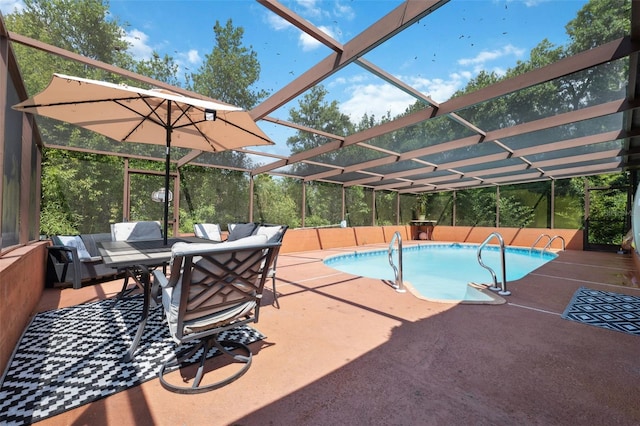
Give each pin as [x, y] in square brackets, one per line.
[397, 271]
[503, 289]
[538, 239]
[551, 241]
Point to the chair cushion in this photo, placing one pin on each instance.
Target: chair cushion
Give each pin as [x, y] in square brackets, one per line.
[73, 241]
[184, 249]
[171, 295]
[210, 231]
[273, 233]
[131, 231]
[171, 303]
[241, 230]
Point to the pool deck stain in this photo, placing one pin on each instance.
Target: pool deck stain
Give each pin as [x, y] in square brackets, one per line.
[351, 350]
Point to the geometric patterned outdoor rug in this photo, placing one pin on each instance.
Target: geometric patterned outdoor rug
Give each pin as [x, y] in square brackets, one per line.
[73, 356]
[613, 311]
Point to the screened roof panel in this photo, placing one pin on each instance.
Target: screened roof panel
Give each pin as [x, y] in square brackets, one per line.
[456, 155]
[476, 169]
[569, 153]
[596, 164]
[301, 170]
[561, 95]
[348, 156]
[573, 130]
[427, 133]
[388, 182]
[396, 167]
[346, 177]
[567, 118]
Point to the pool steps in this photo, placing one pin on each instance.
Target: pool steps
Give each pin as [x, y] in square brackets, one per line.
[397, 270]
[551, 239]
[502, 290]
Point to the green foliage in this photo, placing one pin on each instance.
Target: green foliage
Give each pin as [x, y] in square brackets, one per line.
[231, 70]
[83, 193]
[608, 219]
[513, 213]
[358, 206]
[476, 207]
[80, 193]
[386, 202]
[422, 201]
[272, 202]
[315, 112]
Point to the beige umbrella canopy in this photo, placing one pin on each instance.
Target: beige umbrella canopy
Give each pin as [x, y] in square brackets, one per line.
[160, 117]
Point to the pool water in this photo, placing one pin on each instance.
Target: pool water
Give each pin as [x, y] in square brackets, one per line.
[442, 272]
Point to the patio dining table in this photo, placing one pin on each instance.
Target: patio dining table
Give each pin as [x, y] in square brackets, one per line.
[137, 259]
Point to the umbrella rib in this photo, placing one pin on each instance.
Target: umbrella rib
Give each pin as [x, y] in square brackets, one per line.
[144, 117]
[194, 124]
[244, 130]
[54, 104]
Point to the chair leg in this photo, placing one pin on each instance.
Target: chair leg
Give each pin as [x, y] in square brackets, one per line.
[179, 360]
[275, 294]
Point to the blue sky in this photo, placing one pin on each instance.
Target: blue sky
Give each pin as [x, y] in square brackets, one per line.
[438, 55]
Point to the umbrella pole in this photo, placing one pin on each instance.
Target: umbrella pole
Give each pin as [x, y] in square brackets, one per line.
[167, 170]
[166, 190]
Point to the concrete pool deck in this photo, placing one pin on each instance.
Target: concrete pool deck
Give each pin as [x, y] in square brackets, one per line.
[348, 350]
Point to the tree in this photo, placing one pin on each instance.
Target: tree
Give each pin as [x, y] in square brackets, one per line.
[315, 112]
[79, 191]
[229, 73]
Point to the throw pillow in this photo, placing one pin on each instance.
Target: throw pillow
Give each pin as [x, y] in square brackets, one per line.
[273, 233]
[75, 241]
[241, 230]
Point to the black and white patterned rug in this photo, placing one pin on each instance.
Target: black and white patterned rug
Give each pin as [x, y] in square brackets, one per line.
[72, 356]
[613, 311]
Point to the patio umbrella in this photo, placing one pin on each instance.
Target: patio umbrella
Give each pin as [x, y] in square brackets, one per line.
[160, 117]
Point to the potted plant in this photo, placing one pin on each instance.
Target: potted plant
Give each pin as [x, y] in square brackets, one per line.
[421, 205]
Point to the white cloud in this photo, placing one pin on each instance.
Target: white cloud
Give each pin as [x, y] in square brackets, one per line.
[374, 99]
[10, 6]
[193, 57]
[140, 49]
[491, 55]
[277, 23]
[310, 8]
[378, 99]
[344, 11]
[309, 43]
[138, 46]
[438, 89]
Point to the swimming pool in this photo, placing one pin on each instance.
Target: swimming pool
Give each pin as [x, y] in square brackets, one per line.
[443, 272]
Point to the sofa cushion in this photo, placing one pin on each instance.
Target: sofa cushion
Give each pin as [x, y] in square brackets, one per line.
[273, 233]
[132, 231]
[73, 241]
[241, 230]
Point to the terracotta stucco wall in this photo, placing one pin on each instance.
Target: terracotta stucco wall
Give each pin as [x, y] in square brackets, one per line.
[523, 237]
[22, 276]
[296, 240]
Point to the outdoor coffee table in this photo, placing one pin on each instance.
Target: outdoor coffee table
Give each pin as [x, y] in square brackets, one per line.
[137, 258]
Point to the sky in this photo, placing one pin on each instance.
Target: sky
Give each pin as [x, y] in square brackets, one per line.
[438, 55]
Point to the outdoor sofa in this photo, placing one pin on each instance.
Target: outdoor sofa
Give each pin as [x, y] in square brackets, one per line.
[75, 259]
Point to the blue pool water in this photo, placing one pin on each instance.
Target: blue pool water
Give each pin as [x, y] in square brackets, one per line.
[442, 272]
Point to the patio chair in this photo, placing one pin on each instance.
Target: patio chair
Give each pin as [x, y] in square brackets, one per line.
[210, 231]
[134, 231]
[212, 288]
[274, 233]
